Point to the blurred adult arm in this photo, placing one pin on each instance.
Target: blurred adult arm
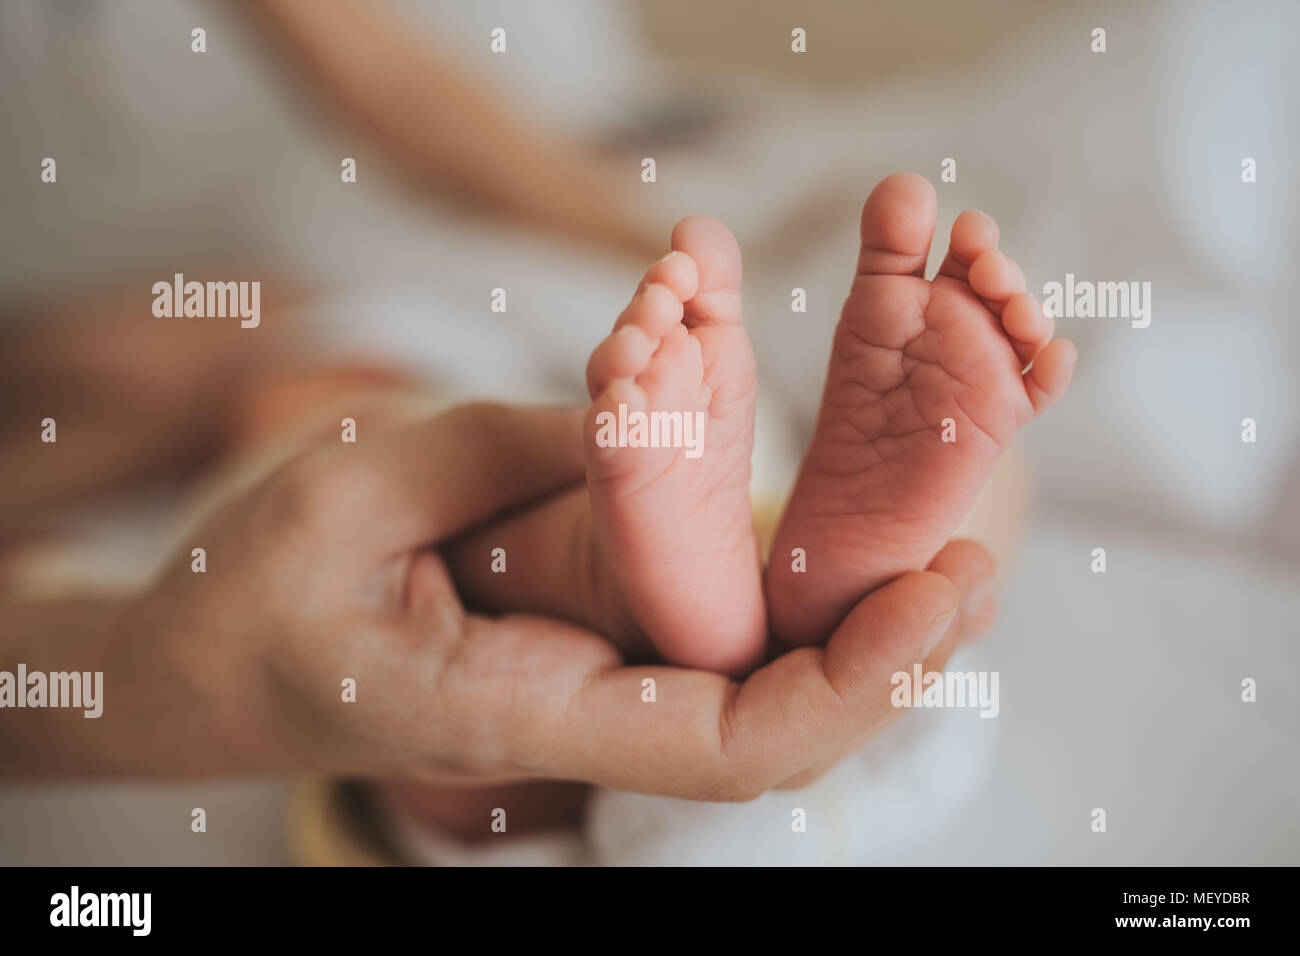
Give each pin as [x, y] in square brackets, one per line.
[448, 130]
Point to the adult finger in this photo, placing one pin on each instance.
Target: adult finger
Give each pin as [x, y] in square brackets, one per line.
[969, 566]
[424, 482]
[698, 735]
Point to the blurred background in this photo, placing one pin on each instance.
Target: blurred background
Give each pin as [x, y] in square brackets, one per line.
[522, 170]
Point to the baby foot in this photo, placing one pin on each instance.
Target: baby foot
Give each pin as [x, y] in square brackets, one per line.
[673, 522]
[914, 362]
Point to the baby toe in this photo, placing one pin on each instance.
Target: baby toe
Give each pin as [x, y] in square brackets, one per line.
[1027, 324]
[897, 226]
[973, 234]
[995, 278]
[1050, 375]
[624, 353]
[671, 382]
[676, 271]
[654, 309]
[709, 244]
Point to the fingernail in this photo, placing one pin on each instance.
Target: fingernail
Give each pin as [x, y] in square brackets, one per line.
[937, 630]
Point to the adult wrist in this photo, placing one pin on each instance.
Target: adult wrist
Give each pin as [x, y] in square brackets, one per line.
[55, 686]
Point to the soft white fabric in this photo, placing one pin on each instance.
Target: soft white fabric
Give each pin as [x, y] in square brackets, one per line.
[909, 781]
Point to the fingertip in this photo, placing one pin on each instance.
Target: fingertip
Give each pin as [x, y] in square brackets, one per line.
[924, 604]
[890, 625]
[964, 562]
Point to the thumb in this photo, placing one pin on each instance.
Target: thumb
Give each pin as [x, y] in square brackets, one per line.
[889, 630]
[810, 706]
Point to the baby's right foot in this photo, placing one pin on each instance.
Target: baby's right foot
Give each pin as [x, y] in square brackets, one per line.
[924, 391]
[677, 550]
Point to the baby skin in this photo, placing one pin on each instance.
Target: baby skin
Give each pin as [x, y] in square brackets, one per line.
[927, 385]
[658, 551]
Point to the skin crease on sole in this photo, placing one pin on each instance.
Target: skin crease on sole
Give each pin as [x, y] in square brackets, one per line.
[926, 387]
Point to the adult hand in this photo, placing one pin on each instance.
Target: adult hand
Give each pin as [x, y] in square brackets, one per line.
[325, 572]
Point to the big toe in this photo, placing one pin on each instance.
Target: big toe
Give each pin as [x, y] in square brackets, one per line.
[897, 226]
[717, 259]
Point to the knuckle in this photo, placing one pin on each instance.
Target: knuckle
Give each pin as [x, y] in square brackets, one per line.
[309, 491]
[745, 792]
[728, 786]
[487, 425]
[476, 416]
